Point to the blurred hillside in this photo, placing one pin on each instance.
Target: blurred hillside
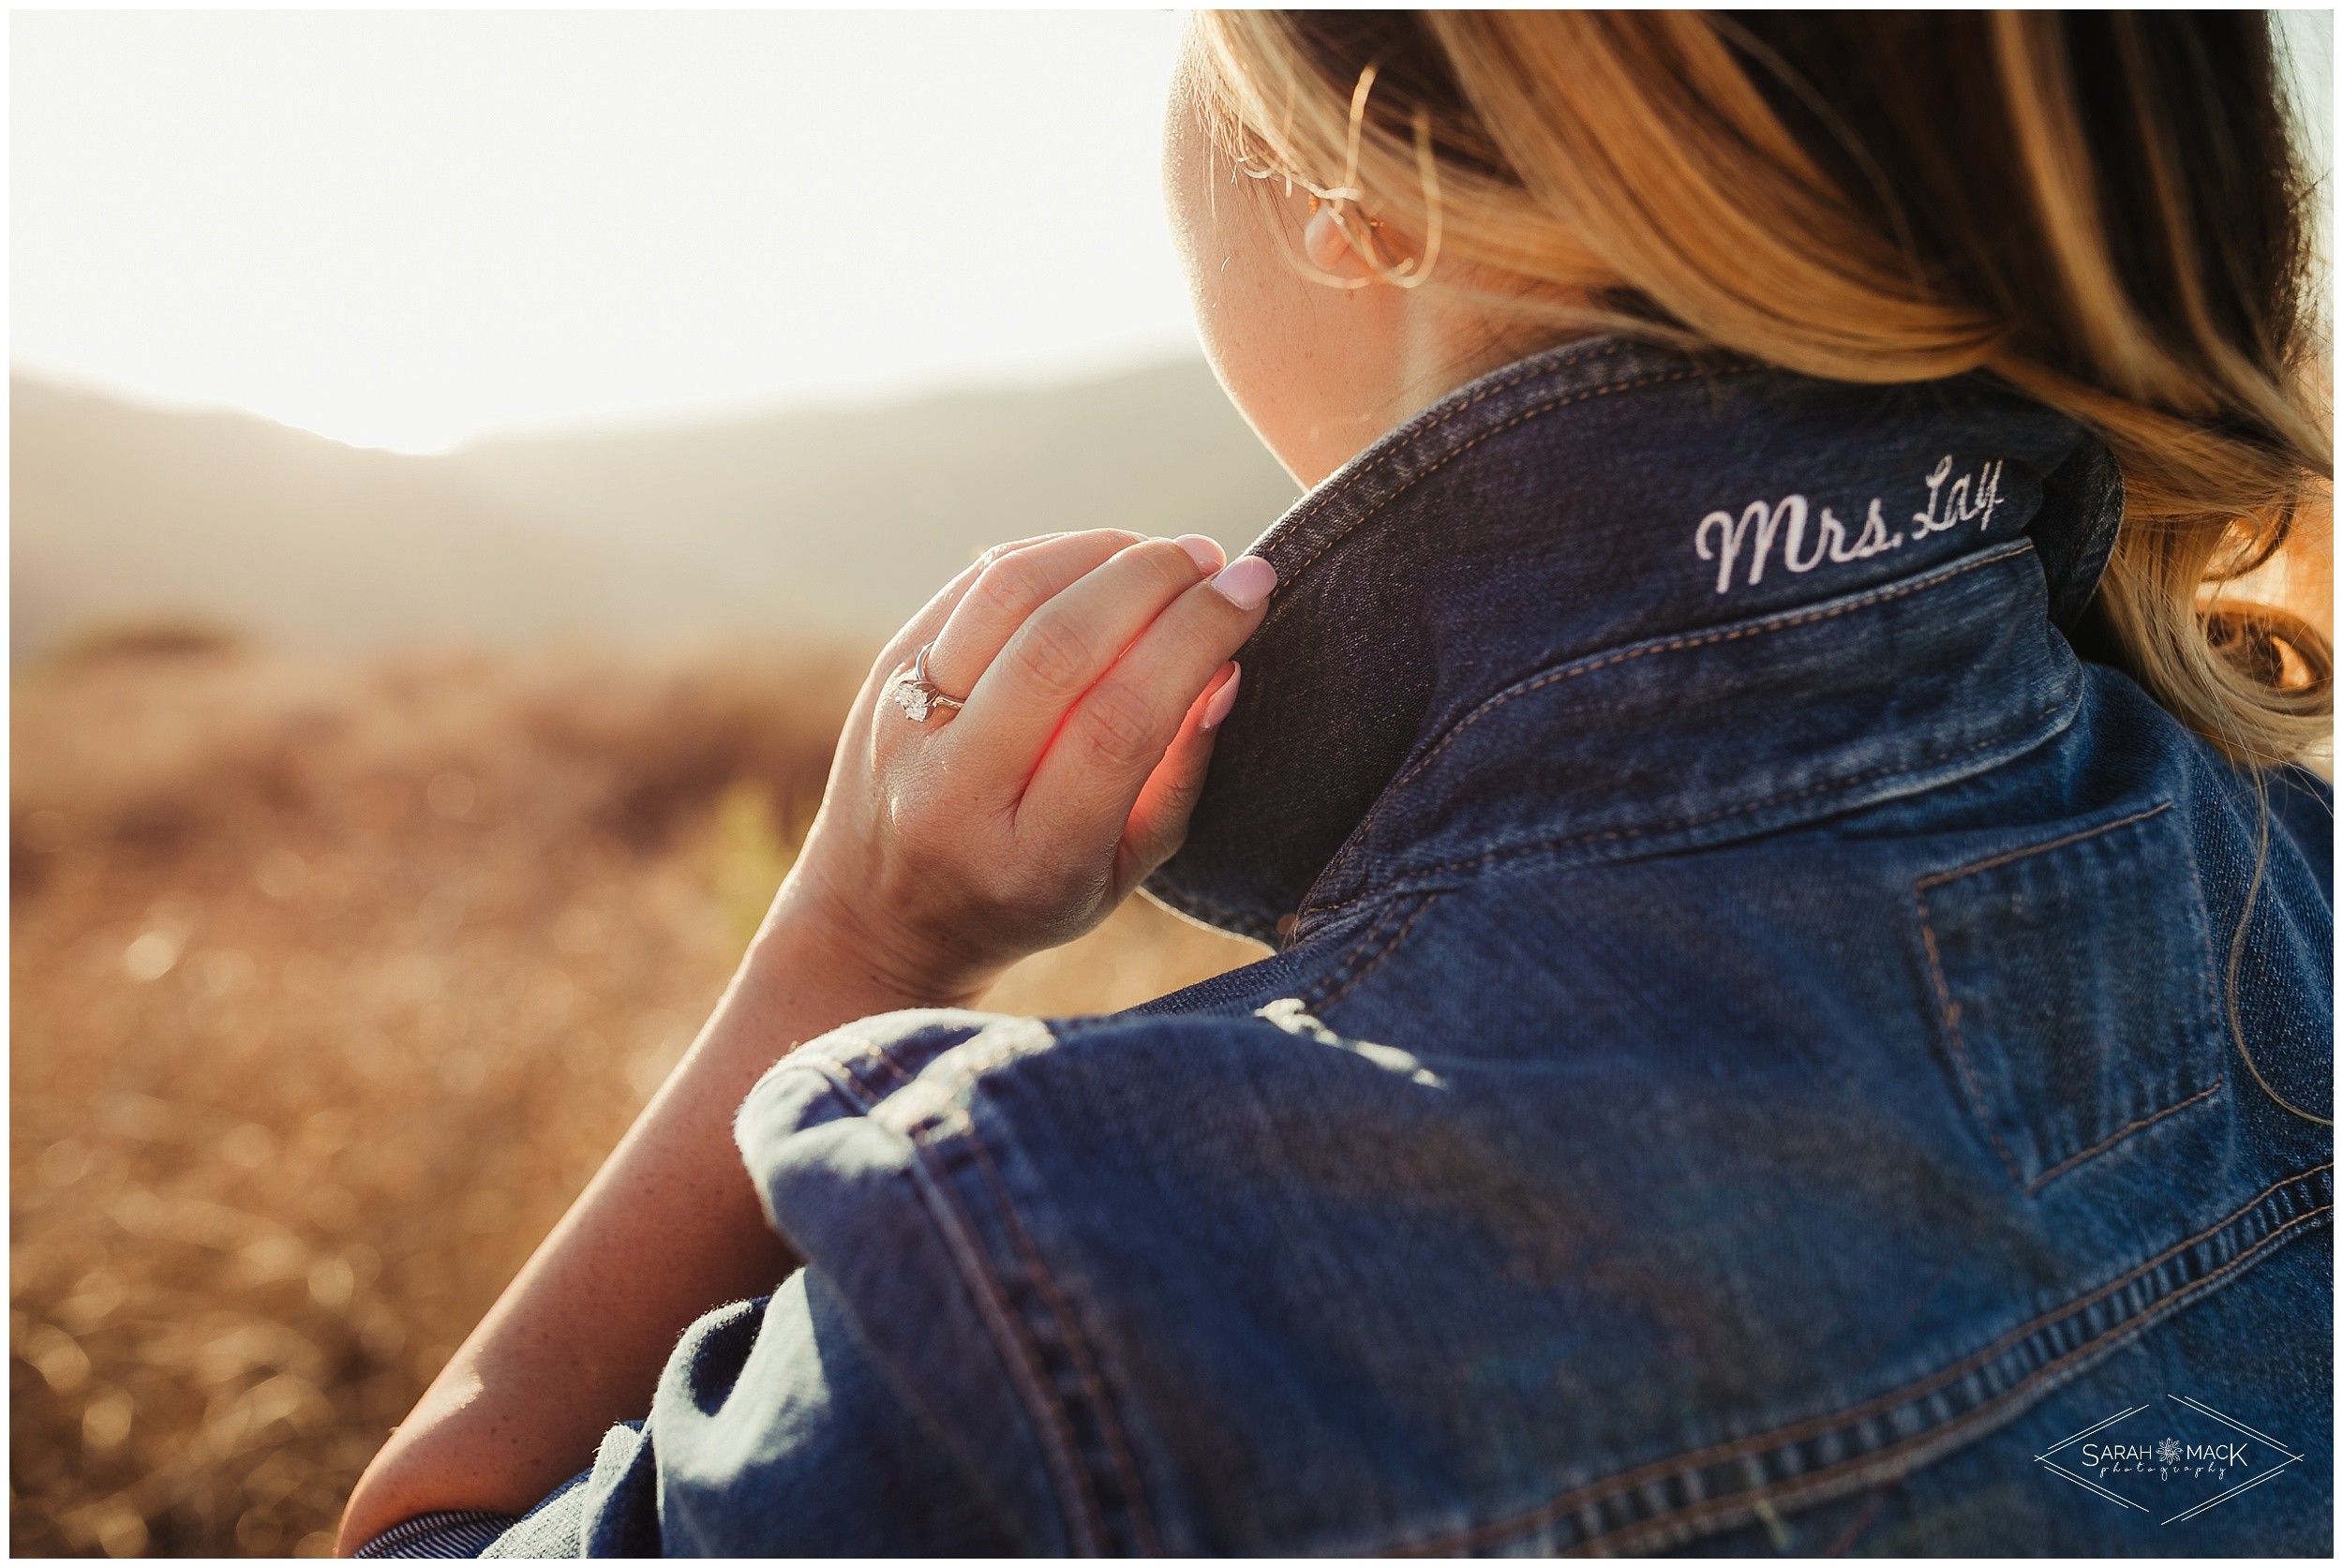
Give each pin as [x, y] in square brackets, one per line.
[796, 523]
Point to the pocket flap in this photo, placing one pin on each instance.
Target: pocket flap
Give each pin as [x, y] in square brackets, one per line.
[2074, 982]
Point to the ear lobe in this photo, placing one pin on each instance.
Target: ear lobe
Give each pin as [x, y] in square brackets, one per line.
[1327, 246]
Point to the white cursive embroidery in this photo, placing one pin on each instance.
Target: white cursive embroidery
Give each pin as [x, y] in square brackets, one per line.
[1766, 520]
[1959, 504]
[1721, 537]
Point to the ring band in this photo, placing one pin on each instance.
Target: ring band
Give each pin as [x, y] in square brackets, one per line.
[917, 695]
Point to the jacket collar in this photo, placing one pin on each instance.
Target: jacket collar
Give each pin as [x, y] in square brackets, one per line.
[1612, 598]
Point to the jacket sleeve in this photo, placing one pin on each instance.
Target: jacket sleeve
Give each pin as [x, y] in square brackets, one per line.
[837, 1139]
[861, 1409]
[771, 1434]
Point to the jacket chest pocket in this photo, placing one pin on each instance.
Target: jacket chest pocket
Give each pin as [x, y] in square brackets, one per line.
[2075, 990]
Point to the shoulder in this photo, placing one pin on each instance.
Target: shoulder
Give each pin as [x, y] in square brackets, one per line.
[888, 1087]
[990, 1196]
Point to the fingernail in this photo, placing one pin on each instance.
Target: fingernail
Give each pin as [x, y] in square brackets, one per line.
[1246, 582]
[1217, 706]
[1204, 550]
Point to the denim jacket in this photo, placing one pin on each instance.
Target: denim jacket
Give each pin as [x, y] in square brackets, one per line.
[1770, 1050]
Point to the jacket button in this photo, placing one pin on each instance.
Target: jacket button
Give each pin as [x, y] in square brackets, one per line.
[1286, 926]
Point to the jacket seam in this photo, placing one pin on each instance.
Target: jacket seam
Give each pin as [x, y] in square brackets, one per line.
[956, 1066]
[1899, 1459]
[1732, 633]
[2215, 1010]
[1316, 994]
[886, 1059]
[1009, 1334]
[1663, 1472]
[1948, 1011]
[1781, 622]
[1702, 820]
[1844, 1541]
[2025, 852]
[2220, 1083]
[1078, 1349]
[1349, 982]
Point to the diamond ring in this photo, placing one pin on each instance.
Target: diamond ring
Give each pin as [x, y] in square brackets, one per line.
[919, 696]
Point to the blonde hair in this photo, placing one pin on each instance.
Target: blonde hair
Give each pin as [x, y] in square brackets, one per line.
[1884, 199]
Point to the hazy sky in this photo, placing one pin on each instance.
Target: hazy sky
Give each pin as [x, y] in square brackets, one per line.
[402, 228]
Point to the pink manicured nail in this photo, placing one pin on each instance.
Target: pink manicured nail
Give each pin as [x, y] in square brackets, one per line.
[1217, 708]
[1204, 551]
[1246, 582]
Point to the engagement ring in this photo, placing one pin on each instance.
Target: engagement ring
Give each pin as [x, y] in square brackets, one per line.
[919, 696]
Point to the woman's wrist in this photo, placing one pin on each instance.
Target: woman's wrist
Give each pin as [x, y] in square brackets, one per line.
[813, 959]
[816, 942]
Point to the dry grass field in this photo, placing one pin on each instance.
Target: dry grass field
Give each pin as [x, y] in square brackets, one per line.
[332, 982]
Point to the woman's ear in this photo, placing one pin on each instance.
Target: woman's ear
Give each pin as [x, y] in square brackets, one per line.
[1342, 247]
[1328, 247]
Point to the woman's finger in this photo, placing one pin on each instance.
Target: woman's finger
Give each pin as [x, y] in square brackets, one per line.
[935, 614]
[1009, 586]
[931, 617]
[1063, 649]
[861, 739]
[1122, 727]
[1159, 819]
[929, 624]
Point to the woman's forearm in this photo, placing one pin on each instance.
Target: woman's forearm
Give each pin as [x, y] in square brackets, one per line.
[669, 1228]
[1091, 668]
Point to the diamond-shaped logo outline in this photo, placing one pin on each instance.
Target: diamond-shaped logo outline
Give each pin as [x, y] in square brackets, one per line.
[2097, 1489]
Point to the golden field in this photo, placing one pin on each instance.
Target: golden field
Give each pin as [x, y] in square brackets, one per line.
[332, 983]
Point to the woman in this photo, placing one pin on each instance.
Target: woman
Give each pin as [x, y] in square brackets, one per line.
[1803, 970]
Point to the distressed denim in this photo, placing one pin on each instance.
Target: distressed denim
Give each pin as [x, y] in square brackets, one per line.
[1751, 1064]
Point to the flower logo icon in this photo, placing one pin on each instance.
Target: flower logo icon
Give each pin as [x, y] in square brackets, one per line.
[2168, 1452]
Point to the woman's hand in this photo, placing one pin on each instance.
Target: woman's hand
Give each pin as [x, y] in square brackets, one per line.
[1093, 668]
